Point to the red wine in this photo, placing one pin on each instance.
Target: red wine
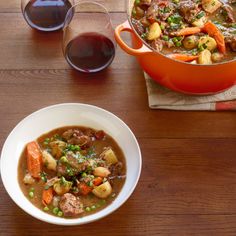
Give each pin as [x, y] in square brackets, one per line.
[90, 52]
[46, 15]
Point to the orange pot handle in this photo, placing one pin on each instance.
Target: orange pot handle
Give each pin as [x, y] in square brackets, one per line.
[135, 52]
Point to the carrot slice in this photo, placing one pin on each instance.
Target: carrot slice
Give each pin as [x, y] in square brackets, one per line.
[182, 57]
[97, 181]
[214, 32]
[34, 159]
[47, 196]
[85, 189]
[187, 31]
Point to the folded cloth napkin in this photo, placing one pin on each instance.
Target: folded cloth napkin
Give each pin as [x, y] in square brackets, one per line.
[160, 97]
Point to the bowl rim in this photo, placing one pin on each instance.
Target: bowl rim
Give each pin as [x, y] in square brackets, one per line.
[74, 221]
[162, 54]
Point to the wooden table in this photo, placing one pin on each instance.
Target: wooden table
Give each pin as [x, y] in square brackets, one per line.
[187, 186]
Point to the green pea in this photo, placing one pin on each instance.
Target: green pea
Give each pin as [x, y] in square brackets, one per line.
[55, 210]
[103, 201]
[93, 207]
[63, 159]
[178, 44]
[162, 27]
[87, 209]
[31, 194]
[60, 213]
[165, 37]
[46, 208]
[175, 40]
[84, 174]
[31, 190]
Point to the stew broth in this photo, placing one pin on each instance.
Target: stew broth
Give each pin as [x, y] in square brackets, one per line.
[84, 159]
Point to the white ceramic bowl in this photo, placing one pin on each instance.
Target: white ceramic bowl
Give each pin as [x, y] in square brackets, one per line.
[60, 115]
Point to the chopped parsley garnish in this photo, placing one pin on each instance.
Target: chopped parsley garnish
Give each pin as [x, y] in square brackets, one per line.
[200, 15]
[43, 176]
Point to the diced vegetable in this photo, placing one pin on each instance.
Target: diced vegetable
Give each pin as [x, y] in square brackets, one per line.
[101, 171]
[205, 57]
[31, 194]
[47, 196]
[84, 188]
[182, 57]
[200, 22]
[216, 57]
[207, 42]
[28, 179]
[55, 201]
[190, 42]
[49, 161]
[34, 159]
[103, 190]
[154, 31]
[97, 181]
[214, 32]
[57, 148]
[187, 31]
[62, 186]
[109, 156]
[211, 6]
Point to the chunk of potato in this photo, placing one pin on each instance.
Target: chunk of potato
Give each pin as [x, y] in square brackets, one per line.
[207, 42]
[200, 22]
[57, 148]
[28, 179]
[154, 31]
[216, 56]
[101, 172]
[204, 57]
[103, 190]
[211, 6]
[49, 161]
[109, 156]
[190, 42]
[62, 186]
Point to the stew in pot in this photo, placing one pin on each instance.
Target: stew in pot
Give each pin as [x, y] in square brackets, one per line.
[196, 31]
[72, 171]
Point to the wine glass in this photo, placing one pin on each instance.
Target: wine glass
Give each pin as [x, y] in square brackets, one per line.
[88, 37]
[45, 15]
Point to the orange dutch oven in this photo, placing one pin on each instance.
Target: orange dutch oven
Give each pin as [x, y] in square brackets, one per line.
[179, 76]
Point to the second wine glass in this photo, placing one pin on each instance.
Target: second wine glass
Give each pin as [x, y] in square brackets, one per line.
[88, 39]
[45, 15]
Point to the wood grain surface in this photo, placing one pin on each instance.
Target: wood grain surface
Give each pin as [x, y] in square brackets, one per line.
[188, 180]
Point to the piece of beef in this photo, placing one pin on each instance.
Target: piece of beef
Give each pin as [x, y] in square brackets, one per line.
[83, 141]
[231, 41]
[188, 10]
[73, 166]
[77, 137]
[157, 45]
[138, 26]
[228, 12]
[159, 11]
[152, 12]
[100, 134]
[70, 205]
[71, 133]
[116, 169]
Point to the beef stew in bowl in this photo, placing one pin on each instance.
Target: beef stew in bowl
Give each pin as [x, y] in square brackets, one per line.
[195, 31]
[72, 171]
[31, 132]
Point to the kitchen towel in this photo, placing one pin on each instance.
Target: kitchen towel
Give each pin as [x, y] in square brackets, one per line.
[160, 97]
